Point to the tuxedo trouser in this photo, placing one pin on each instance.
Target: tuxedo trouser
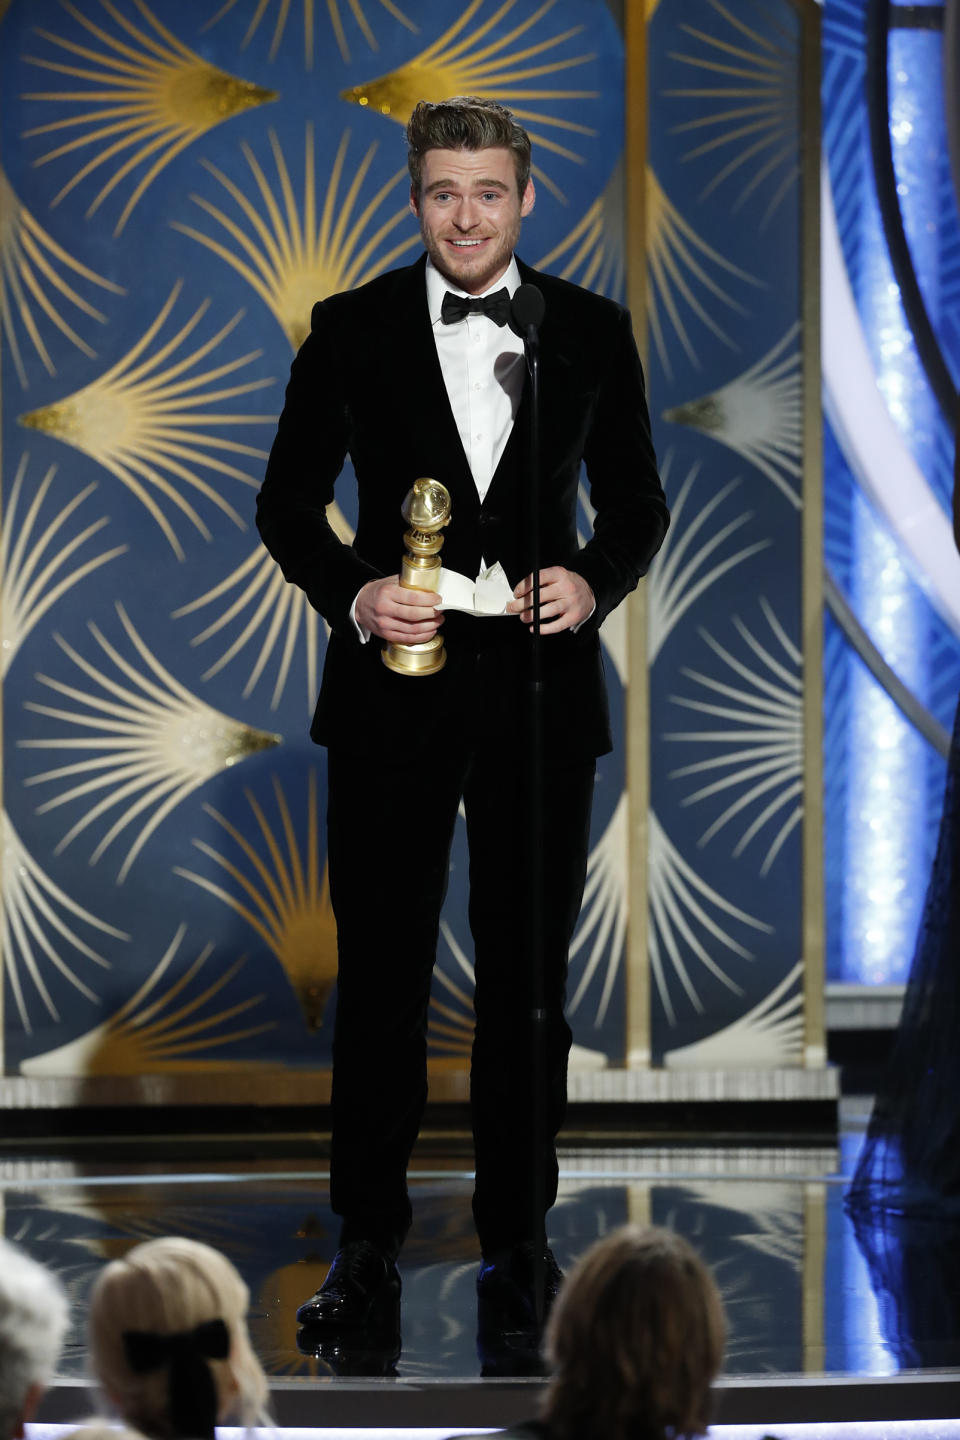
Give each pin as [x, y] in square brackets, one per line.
[389, 833]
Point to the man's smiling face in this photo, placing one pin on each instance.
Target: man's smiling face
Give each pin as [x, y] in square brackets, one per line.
[470, 213]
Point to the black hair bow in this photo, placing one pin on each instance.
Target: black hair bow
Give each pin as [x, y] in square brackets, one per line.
[191, 1387]
[146, 1350]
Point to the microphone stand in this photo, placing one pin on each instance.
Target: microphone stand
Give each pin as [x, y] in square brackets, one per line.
[529, 317]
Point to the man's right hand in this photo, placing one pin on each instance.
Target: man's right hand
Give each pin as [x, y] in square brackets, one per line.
[407, 617]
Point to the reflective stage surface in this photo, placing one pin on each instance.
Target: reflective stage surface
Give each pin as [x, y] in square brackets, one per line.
[805, 1293]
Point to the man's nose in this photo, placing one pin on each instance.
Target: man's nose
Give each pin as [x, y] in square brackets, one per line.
[466, 217]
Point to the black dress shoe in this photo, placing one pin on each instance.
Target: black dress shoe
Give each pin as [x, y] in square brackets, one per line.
[361, 1279]
[507, 1288]
[373, 1350]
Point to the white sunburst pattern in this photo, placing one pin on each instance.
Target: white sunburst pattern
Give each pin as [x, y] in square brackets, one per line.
[769, 1035]
[602, 927]
[257, 598]
[144, 739]
[688, 914]
[149, 423]
[37, 921]
[747, 126]
[759, 414]
[33, 574]
[685, 274]
[38, 286]
[694, 555]
[758, 742]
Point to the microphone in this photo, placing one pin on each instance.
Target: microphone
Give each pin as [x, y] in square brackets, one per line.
[526, 311]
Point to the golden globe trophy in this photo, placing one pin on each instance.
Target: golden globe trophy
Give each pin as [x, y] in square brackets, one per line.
[426, 510]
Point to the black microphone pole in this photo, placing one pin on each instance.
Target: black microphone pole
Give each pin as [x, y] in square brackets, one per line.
[526, 314]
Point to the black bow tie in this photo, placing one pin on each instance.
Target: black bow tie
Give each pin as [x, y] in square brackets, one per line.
[458, 307]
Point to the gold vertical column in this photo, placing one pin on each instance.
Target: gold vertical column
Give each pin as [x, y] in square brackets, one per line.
[3, 931]
[814, 949]
[637, 1037]
[813, 1275]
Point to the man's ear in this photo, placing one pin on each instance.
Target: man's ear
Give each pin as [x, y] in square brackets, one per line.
[529, 199]
[414, 204]
[31, 1402]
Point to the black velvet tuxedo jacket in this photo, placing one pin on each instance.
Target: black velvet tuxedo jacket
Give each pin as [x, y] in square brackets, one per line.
[367, 381]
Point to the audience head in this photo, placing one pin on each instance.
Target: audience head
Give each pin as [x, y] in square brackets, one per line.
[635, 1340]
[33, 1320]
[168, 1341]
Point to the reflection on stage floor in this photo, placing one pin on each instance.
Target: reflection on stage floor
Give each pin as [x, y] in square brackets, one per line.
[805, 1293]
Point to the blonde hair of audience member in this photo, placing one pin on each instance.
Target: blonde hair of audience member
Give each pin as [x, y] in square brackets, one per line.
[635, 1340]
[33, 1321]
[168, 1288]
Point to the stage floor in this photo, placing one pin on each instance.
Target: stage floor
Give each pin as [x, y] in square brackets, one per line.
[846, 1325]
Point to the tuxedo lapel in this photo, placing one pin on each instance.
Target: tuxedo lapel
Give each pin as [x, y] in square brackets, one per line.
[556, 370]
[425, 401]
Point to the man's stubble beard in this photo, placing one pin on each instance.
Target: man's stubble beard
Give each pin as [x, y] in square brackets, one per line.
[495, 264]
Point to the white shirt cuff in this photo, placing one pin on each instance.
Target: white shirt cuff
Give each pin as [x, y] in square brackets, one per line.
[362, 635]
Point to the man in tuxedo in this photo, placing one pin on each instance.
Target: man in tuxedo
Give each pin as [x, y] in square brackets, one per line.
[413, 377]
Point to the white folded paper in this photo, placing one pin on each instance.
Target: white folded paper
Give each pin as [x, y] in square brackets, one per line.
[487, 595]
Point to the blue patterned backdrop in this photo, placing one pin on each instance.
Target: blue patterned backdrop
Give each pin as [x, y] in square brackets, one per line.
[726, 247]
[180, 182]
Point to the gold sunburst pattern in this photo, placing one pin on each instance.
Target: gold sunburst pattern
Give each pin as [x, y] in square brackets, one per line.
[753, 78]
[759, 414]
[293, 258]
[336, 12]
[144, 97]
[155, 425]
[281, 896]
[466, 61]
[37, 919]
[592, 253]
[759, 736]
[144, 739]
[34, 284]
[168, 1030]
[681, 264]
[260, 601]
[34, 575]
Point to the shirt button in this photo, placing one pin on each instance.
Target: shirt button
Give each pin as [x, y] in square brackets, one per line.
[478, 387]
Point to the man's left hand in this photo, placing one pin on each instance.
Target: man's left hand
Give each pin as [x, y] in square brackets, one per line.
[565, 600]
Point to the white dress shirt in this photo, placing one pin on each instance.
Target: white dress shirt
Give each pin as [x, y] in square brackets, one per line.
[483, 368]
